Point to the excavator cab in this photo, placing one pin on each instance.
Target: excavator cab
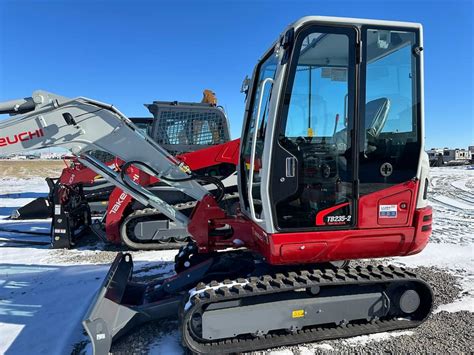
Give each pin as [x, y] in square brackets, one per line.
[302, 168]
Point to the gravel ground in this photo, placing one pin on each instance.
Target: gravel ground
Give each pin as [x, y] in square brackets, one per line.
[142, 340]
[442, 333]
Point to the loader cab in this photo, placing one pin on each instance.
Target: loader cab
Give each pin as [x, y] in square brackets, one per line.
[182, 127]
[334, 113]
[143, 124]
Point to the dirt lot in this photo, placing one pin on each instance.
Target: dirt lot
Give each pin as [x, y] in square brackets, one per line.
[30, 168]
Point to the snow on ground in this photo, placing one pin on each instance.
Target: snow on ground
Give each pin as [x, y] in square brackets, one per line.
[40, 303]
[44, 293]
[12, 186]
[458, 259]
[452, 243]
[18, 192]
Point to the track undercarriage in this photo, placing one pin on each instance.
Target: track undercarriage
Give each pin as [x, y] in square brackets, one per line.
[235, 302]
[148, 229]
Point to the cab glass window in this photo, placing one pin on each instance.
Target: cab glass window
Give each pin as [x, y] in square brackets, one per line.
[312, 186]
[390, 144]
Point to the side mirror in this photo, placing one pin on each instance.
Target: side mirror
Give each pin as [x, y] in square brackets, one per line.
[384, 39]
[245, 85]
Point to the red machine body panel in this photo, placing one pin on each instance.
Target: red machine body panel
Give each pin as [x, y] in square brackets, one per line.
[75, 172]
[217, 154]
[323, 246]
[405, 231]
[401, 197]
[119, 201]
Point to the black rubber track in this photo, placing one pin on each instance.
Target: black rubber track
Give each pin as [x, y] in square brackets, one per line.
[127, 227]
[217, 292]
[126, 231]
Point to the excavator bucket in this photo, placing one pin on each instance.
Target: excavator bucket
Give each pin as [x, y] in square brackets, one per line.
[121, 304]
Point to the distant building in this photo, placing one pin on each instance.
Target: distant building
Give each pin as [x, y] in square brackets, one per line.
[456, 154]
[434, 152]
[441, 156]
[25, 156]
[435, 155]
[50, 156]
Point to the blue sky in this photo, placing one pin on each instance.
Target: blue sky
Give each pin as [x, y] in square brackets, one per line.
[130, 53]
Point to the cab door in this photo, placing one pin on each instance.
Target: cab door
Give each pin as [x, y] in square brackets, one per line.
[254, 137]
[312, 168]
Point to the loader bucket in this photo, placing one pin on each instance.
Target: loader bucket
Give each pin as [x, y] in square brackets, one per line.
[121, 304]
[39, 208]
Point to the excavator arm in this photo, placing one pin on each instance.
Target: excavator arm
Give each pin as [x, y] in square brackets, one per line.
[82, 125]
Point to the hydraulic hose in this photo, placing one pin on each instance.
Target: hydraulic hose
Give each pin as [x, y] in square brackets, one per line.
[210, 179]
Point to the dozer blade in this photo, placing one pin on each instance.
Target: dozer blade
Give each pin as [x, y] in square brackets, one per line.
[105, 316]
[39, 208]
[122, 304]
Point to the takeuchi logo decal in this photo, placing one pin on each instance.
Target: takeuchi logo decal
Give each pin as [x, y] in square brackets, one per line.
[21, 137]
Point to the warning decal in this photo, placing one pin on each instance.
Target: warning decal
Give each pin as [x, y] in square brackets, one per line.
[298, 313]
[388, 211]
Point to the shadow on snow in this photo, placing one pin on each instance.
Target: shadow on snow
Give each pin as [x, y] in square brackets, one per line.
[42, 306]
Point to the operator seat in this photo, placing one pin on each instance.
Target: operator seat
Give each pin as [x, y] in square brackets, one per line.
[376, 112]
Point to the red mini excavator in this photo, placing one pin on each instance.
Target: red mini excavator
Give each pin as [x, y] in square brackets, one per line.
[331, 168]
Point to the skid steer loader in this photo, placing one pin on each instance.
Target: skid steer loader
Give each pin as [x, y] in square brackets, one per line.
[331, 167]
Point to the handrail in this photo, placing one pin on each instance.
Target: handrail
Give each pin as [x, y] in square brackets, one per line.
[253, 150]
